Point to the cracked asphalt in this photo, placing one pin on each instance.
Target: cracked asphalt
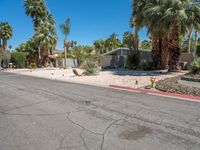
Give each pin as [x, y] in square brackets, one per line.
[41, 114]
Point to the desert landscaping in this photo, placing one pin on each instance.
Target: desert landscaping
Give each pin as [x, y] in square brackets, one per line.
[121, 77]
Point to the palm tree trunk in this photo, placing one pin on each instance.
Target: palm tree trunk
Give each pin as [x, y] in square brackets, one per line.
[174, 49]
[65, 59]
[164, 53]
[154, 52]
[45, 56]
[65, 53]
[136, 39]
[157, 51]
[5, 45]
[0, 43]
[195, 44]
[189, 41]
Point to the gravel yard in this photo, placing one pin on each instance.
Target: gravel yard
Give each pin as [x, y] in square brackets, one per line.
[119, 77]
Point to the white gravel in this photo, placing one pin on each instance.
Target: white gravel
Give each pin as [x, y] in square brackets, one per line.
[119, 77]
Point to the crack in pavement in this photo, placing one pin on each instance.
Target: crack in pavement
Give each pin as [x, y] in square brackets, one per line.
[82, 127]
[105, 131]
[101, 134]
[53, 114]
[84, 142]
[69, 147]
[28, 105]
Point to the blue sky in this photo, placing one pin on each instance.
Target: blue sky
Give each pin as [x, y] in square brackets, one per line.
[90, 19]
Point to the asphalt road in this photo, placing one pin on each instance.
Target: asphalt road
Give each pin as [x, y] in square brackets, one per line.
[40, 114]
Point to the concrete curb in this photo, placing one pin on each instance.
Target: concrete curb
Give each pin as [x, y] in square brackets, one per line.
[165, 94]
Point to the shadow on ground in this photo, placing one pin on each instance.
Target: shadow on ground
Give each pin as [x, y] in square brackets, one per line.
[126, 72]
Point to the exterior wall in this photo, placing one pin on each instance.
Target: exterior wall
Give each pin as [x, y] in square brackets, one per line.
[70, 63]
[187, 57]
[119, 60]
[146, 56]
[106, 61]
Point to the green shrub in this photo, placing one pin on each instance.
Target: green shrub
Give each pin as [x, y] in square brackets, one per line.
[19, 59]
[32, 65]
[195, 68]
[198, 50]
[90, 67]
[5, 59]
[133, 61]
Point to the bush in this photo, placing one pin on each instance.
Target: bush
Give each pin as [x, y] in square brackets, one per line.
[90, 67]
[33, 65]
[5, 59]
[19, 59]
[195, 68]
[133, 61]
[147, 65]
[198, 50]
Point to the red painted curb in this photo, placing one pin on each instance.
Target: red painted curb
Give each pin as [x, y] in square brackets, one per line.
[182, 96]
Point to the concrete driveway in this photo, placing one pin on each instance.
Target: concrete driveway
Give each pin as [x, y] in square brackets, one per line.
[41, 114]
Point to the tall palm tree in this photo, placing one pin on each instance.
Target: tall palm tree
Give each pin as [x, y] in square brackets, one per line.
[159, 36]
[6, 33]
[137, 19]
[36, 9]
[179, 12]
[46, 38]
[166, 21]
[65, 27]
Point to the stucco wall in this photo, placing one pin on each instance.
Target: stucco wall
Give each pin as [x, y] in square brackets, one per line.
[187, 57]
[106, 61]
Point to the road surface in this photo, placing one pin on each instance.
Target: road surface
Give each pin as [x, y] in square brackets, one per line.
[41, 114]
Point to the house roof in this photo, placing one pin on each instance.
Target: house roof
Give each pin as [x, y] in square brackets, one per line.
[114, 50]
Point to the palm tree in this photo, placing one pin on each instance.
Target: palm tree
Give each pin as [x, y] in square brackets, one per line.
[129, 40]
[36, 9]
[112, 42]
[159, 36]
[166, 21]
[134, 24]
[137, 19]
[46, 38]
[65, 27]
[99, 46]
[181, 11]
[6, 33]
